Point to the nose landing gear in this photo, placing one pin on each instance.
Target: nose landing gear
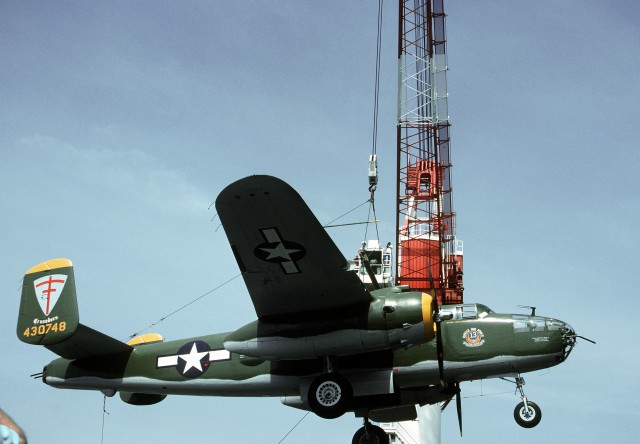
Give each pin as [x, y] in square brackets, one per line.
[527, 413]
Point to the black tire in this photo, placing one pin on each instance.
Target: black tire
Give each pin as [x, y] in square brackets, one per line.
[376, 436]
[330, 396]
[527, 418]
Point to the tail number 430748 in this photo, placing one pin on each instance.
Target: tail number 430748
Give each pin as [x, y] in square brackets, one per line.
[43, 329]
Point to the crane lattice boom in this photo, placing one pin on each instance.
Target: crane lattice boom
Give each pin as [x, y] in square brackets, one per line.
[428, 254]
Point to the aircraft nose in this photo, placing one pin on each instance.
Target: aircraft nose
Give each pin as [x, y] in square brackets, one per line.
[568, 339]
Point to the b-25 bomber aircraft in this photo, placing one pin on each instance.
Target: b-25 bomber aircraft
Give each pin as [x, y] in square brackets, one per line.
[322, 342]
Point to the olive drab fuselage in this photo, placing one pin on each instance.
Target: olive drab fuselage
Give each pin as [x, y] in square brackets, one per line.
[478, 343]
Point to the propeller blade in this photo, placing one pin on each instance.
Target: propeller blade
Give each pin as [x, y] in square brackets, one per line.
[439, 348]
[459, 406]
[440, 352]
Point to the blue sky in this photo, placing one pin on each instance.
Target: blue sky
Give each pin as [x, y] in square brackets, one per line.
[122, 121]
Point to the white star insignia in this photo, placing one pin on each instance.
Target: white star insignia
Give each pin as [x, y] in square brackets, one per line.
[193, 359]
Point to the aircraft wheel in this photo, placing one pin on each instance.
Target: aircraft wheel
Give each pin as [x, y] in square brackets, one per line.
[376, 436]
[330, 395]
[527, 418]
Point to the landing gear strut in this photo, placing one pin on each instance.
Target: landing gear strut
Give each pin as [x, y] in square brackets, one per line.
[370, 434]
[527, 413]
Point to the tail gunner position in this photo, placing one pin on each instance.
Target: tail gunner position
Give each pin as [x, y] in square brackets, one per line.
[321, 341]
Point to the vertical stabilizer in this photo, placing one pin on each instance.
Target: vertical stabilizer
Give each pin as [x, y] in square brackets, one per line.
[48, 306]
[49, 314]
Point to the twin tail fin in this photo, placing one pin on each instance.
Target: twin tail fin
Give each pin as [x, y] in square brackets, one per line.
[48, 314]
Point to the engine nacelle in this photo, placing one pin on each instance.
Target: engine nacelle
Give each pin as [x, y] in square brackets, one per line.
[393, 320]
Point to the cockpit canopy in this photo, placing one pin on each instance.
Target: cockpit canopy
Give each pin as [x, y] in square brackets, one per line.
[467, 311]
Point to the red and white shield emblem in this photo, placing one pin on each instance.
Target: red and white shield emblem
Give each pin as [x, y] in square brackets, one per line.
[48, 291]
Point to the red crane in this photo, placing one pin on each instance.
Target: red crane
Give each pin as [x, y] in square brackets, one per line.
[429, 257]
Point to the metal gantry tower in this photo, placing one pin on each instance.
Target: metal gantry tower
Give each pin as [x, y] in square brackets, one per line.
[429, 257]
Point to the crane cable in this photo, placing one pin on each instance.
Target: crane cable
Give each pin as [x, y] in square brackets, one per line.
[373, 165]
[372, 208]
[377, 85]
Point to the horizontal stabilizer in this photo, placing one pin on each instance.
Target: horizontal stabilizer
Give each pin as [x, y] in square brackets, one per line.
[87, 342]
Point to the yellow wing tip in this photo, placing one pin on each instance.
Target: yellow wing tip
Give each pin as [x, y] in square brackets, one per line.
[50, 265]
[148, 338]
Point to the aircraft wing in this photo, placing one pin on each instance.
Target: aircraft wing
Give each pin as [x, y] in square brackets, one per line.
[288, 261]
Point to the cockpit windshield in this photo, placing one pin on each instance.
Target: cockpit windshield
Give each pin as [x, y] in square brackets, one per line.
[483, 310]
[468, 311]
